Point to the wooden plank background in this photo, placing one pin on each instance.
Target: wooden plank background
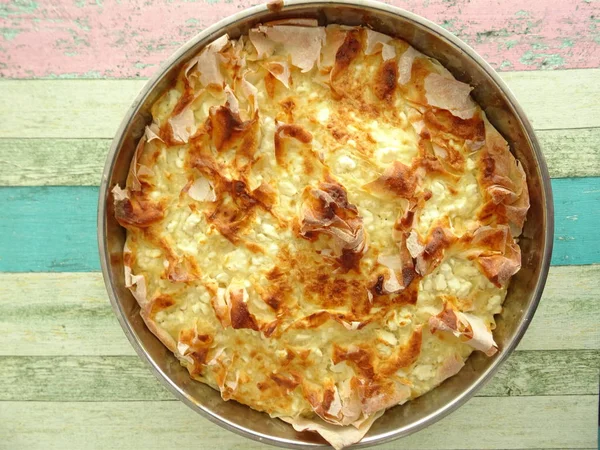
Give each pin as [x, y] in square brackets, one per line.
[68, 376]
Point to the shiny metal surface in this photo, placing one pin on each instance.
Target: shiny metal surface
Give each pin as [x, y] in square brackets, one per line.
[526, 287]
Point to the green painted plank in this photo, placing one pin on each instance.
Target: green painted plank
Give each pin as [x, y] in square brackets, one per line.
[48, 229]
[52, 229]
[53, 162]
[483, 423]
[572, 372]
[127, 378]
[93, 108]
[79, 162]
[571, 153]
[68, 314]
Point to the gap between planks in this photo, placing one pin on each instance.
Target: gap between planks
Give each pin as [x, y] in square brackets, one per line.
[127, 378]
[482, 423]
[60, 314]
[79, 162]
[557, 99]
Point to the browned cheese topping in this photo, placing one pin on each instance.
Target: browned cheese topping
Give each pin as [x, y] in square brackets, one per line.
[321, 223]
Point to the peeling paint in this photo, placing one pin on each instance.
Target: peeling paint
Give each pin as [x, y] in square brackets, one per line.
[509, 34]
[546, 61]
[17, 7]
[140, 65]
[567, 43]
[9, 33]
[83, 24]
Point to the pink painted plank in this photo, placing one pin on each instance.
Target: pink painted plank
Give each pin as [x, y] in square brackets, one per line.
[126, 38]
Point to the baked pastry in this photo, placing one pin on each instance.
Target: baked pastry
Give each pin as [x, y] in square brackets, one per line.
[321, 223]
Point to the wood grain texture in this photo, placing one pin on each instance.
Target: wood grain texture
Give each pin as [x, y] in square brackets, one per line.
[577, 214]
[127, 378]
[558, 99]
[48, 229]
[79, 162]
[571, 153]
[68, 376]
[133, 38]
[53, 229]
[68, 314]
[483, 423]
[54, 162]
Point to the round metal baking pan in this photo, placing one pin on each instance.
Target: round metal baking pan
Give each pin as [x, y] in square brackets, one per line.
[536, 242]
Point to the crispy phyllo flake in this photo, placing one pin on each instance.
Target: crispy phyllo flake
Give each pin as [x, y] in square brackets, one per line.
[437, 241]
[202, 190]
[240, 316]
[228, 129]
[137, 285]
[334, 38]
[337, 436]
[346, 53]
[386, 80]
[183, 125]
[302, 44]
[467, 327]
[504, 180]
[397, 180]
[447, 93]
[496, 253]
[137, 171]
[134, 210]
[182, 270]
[391, 284]
[280, 70]
[208, 63]
[379, 42]
[443, 121]
[327, 210]
[231, 308]
[152, 132]
[405, 64]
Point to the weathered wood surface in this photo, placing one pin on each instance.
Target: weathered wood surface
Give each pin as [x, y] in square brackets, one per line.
[48, 229]
[556, 99]
[483, 423]
[111, 38]
[68, 376]
[79, 162]
[68, 314]
[127, 378]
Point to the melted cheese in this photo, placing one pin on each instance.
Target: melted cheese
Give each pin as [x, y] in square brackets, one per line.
[263, 268]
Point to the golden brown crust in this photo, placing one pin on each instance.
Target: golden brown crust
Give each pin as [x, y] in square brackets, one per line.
[321, 223]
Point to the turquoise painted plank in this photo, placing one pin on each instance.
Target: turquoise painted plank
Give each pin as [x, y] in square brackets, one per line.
[48, 229]
[576, 218]
[53, 229]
